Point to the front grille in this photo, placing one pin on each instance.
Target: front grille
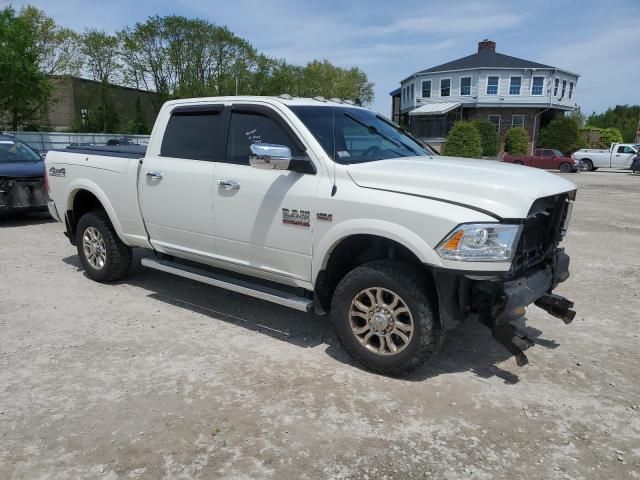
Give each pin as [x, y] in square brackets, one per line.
[541, 233]
[22, 192]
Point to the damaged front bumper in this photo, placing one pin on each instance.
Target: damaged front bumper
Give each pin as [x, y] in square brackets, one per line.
[22, 194]
[497, 302]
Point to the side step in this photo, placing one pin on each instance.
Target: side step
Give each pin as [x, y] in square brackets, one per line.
[239, 286]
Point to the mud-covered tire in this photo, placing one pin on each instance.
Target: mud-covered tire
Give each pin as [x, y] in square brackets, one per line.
[118, 257]
[409, 283]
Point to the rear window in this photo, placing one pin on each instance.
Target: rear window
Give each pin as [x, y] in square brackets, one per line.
[196, 133]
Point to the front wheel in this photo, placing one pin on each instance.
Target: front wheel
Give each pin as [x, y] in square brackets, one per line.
[384, 317]
[102, 254]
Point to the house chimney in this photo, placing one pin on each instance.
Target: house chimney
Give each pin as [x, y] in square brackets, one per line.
[486, 46]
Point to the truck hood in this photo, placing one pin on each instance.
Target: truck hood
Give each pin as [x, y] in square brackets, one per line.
[22, 169]
[500, 189]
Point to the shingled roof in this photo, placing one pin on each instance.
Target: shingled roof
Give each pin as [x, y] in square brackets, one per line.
[486, 57]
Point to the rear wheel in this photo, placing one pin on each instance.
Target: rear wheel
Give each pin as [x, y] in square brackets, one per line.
[102, 254]
[384, 317]
[565, 167]
[586, 165]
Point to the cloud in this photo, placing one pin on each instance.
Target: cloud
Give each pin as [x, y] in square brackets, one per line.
[608, 65]
[450, 24]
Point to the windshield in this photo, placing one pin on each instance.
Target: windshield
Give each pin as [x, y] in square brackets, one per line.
[354, 135]
[16, 151]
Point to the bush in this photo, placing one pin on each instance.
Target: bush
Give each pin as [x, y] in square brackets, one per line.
[517, 141]
[489, 138]
[464, 141]
[609, 136]
[562, 133]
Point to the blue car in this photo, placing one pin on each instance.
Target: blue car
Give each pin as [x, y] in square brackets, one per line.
[22, 185]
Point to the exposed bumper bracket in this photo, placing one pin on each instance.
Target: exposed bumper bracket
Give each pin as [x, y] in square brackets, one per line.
[557, 306]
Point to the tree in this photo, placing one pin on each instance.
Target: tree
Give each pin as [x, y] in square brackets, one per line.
[489, 137]
[24, 88]
[57, 48]
[138, 124]
[517, 141]
[562, 133]
[464, 141]
[623, 117]
[101, 54]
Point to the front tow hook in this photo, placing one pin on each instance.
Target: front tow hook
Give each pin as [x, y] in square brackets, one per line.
[557, 306]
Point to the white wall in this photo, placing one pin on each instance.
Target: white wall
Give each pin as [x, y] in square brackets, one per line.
[479, 88]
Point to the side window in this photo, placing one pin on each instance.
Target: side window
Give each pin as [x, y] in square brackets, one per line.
[548, 153]
[249, 127]
[196, 133]
[537, 153]
[625, 150]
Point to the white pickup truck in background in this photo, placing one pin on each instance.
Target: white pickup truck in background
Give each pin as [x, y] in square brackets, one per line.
[620, 155]
[324, 206]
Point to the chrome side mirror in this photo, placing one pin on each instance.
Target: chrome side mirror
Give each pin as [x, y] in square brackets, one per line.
[269, 156]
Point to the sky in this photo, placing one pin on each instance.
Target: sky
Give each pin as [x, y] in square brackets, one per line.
[390, 40]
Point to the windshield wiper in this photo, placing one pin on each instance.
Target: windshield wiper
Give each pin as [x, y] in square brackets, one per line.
[373, 129]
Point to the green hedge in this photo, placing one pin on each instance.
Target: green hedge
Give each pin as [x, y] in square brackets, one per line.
[561, 133]
[489, 137]
[517, 141]
[464, 141]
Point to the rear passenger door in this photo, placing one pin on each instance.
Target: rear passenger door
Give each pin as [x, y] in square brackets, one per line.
[176, 186]
[262, 218]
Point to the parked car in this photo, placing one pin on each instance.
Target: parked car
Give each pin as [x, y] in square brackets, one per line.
[635, 164]
[22, 178]
[323, 206]
[546, 158]
[620, 155]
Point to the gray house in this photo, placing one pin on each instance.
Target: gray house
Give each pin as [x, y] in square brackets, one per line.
[506, 91]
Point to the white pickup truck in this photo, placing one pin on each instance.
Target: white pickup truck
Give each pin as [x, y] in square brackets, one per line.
[620, 155]
[323, 206]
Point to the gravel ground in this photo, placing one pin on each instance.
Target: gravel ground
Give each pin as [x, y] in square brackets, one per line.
[160, 377]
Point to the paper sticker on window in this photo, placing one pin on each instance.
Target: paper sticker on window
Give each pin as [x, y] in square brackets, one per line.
[343, 154]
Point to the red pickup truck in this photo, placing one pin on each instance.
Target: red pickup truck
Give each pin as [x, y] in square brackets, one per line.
[546, 158]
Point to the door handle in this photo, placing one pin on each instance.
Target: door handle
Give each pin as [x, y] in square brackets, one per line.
[157, 175]
[229, 184]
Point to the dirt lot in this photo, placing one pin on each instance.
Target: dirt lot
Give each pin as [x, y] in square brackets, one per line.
[160, 377]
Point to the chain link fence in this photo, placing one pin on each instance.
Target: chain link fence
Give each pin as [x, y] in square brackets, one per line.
[45, 141]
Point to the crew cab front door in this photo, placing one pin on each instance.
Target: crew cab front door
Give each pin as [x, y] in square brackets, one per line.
[176, 186]
[622, 156]
[262, 218]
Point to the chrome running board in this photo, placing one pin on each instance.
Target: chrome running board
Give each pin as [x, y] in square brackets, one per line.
[239, 286]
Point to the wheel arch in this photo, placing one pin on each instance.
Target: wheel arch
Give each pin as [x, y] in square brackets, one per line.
[355, 246]
[85, 196]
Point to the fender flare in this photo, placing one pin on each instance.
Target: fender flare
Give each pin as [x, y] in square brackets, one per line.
[84, 184]
[380, 228]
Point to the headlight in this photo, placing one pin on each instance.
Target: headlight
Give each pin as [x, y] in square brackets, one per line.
[480, 242]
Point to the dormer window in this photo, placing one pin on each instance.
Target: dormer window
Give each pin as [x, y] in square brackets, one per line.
[564, 88]
[570, 89]
[445, 87]
[555, 87]
[492, 85]
[514, 85]
[537, 85]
